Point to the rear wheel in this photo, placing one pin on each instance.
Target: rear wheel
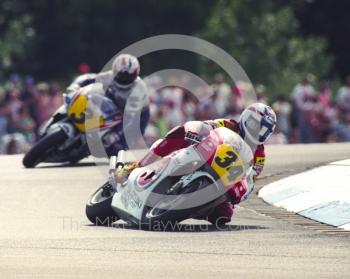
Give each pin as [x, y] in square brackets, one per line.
[98, 208]
[40, 149]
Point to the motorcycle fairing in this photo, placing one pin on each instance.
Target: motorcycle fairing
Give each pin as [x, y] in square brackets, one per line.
[132, 197]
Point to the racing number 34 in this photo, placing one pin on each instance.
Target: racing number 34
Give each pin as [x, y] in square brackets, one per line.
[230, 165]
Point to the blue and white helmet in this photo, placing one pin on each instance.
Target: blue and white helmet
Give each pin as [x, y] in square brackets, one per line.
[257, 122]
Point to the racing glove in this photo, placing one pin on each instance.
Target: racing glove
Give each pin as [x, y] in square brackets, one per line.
[192, 137]
[123, 174]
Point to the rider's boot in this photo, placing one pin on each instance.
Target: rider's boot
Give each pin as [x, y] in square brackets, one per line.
[221, 215]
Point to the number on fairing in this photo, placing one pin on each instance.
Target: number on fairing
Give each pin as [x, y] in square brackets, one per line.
[234, 172]
[227, 160]
[228, 164]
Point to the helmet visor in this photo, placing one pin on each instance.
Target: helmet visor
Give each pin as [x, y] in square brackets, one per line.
[124, 78]
[252, 127]
[266, 130]
[260, 130]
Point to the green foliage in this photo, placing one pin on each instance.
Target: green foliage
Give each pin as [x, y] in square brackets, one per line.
[49, 39]
[16, 35]
[92, 31]
[263, 37]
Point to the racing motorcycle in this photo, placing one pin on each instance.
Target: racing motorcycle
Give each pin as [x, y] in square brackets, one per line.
[63, 138]
[188, 183]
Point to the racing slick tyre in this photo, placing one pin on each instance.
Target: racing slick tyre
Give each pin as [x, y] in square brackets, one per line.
[98, 208]
[40, 149]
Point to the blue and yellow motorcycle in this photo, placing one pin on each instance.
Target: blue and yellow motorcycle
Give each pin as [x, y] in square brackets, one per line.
[63, 138]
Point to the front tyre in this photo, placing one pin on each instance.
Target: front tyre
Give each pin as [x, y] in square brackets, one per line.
[98, 208]
[39, 150]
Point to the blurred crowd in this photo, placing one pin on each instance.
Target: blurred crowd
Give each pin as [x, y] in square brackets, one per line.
[174, 105]
[24, 106]
[314, 114]
[309, 113]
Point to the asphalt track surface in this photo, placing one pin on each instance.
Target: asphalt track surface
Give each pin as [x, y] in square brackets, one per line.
[45, 234]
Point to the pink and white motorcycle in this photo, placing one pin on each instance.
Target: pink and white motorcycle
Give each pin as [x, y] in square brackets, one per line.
[188, 183]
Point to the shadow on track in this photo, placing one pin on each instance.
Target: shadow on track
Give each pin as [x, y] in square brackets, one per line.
[66, 165]
[185, 227]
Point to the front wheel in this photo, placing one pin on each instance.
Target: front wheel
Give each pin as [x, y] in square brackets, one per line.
[40, 149]
[98, 208]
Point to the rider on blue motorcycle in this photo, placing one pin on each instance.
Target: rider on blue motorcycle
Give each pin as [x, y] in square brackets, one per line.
[118, 84]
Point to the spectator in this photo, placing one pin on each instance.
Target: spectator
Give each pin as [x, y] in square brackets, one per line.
[324, 94]
[56, 98]
[261, 93]
[13, 104]
[189, 104]
[44, 102]
[343, 97]
[283, 109]
[222, 92]
[161, 124]
[206, 109]
[30, 98]
[151, 132]
[323, 114]
[277, 137]
[342, 129]
[172, 114]
[4, 113]
[317, 120]
[234, 109]
[302, 96]
[24, 124]
[172, 94]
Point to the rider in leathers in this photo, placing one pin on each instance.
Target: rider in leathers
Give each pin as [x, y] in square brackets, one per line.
[256, 124]
[120, 85]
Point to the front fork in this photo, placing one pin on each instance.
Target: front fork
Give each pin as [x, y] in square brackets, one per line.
[115, 164]
[68, 129]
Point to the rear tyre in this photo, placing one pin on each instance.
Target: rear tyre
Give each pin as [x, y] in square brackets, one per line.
[98, 208]
[40, 149]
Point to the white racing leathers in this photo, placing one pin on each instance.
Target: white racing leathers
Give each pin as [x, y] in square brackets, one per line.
[131, 101]
[137, 92]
